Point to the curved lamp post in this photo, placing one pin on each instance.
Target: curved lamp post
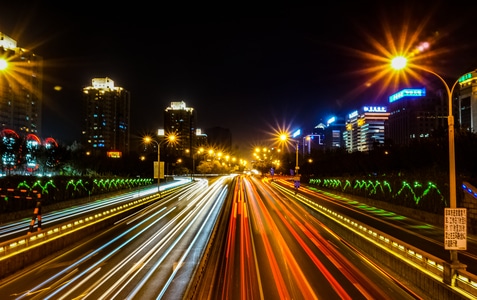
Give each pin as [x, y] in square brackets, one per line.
[399, 63]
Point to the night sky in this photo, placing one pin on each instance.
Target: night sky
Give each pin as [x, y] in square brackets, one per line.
[252, 68]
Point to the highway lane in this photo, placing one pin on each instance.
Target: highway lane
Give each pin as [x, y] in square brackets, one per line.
[149, 255]
[17, 228]
[422, 235]
[267, 261]
[277, 250]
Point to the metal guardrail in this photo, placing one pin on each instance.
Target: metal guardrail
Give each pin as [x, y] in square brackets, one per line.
[24, 243]
[434, 265]
[464, 280]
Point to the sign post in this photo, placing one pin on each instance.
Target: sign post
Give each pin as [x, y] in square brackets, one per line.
[296, 180]
[455, 238]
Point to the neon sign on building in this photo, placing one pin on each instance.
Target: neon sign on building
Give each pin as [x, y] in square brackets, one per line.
[114, 154]
[296, 133]
[465, 77]
[407, 93]
[374, 108]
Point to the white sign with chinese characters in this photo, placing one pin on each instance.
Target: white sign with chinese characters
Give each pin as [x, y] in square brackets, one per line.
[455, 228]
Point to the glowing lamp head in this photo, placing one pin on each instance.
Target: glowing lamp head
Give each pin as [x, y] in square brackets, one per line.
[399, 63]
[3, 64]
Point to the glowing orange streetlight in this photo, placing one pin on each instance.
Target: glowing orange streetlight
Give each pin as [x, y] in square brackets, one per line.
[3, 64]
[284, 138]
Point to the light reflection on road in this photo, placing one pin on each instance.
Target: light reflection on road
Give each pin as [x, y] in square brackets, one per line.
[144, 256]
[276, 250]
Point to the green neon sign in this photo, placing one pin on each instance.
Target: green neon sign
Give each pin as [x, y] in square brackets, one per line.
[465, 77]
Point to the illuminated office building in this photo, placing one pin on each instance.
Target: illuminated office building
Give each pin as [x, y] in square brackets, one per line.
[365, 128]
[21, 88]
[415, 115]
[325, 135]
[180, 120]
[314, 140]
[106, 118]
[467, 111]
[334, 129]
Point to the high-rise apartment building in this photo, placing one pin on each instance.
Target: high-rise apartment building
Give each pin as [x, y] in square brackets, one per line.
[180, 120]
[365, 128]
[106, 118]
[467, 111]
[21, 88]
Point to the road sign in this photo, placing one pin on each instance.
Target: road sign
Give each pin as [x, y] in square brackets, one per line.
[156, 170]
[455, 228]
[159, 170]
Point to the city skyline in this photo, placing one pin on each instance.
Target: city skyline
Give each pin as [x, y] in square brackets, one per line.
[251, 71]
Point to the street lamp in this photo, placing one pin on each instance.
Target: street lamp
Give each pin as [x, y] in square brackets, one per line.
[147, 140]
[3, 64]
[399, 63]
[284, 138]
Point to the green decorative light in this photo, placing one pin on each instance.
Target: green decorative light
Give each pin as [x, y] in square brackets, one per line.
[382, 189]
[44, 188]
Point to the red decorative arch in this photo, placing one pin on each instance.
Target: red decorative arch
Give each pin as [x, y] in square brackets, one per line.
[33, 137]
[51, 143]
[10, 133]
